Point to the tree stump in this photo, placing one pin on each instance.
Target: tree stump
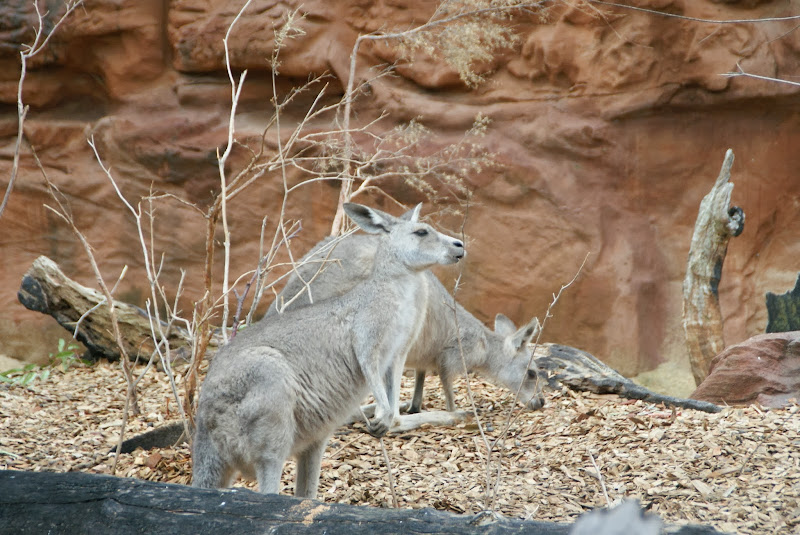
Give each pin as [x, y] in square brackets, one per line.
[716, 224]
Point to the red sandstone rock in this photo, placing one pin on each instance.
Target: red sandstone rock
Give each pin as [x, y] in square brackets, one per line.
[610, 126]
[764, 369]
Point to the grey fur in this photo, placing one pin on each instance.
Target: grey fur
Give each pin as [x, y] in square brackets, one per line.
[501, 355]
[281, 387]
[625, 519]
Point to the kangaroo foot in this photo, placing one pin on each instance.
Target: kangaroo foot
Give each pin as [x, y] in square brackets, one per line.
[413, 409]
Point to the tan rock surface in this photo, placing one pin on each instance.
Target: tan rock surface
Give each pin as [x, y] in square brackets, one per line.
[610, 124]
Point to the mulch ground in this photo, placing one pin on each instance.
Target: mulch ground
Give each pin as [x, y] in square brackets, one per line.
[738, 470]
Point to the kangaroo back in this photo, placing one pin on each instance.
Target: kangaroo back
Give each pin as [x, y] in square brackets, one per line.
[281, 387]
[330, 269]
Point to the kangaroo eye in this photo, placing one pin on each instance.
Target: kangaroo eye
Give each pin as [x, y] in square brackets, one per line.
[421, 232]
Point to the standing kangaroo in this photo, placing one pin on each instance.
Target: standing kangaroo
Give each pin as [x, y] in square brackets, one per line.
[503, 355]
[281, 387]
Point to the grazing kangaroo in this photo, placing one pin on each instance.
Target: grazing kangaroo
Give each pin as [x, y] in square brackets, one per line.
[281, 387]
[503, 355]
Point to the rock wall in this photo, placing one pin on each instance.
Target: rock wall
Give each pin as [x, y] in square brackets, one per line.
[610, 125]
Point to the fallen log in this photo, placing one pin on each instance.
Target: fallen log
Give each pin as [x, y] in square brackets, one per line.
[579, 370]
[46, 289]
[76, 502]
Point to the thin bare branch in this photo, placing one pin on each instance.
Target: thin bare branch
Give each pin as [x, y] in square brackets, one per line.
[694, 19]
[27, 52]
[758, 76]
[236, 90]
[513, 412]
[395, 503]
[130, 398]
[600, 479]
[440, 18]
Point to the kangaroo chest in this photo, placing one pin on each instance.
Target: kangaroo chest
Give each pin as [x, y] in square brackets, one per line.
[398, 320]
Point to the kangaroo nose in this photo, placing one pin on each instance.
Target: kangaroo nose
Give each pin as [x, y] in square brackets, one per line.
[460, 245]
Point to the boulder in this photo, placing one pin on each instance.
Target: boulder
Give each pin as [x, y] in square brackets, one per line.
[764, 369]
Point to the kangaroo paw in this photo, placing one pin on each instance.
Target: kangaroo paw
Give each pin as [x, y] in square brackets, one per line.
[377, 428]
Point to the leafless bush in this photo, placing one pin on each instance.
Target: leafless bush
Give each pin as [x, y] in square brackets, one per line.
[463, 33]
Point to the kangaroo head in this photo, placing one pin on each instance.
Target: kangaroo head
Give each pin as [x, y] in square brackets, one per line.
[520, 371]
[406, 240]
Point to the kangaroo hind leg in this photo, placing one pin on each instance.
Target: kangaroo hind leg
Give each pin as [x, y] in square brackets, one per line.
[419, 387]
[209, 470]
[308, 468]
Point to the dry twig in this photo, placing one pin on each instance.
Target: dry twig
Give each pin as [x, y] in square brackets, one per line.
[131, 398]
[40, 41]
[513, 412]
[448, 13]
[600, 479]
[694, 19]
[389, 472]
[742, 72]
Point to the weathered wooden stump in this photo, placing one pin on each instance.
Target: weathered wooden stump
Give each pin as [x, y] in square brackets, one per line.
[717, 222]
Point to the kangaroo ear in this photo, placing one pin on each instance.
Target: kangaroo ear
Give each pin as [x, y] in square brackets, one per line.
[517, 338]
[531, 330]
[413, 214]
[504, 326]
[369, 219]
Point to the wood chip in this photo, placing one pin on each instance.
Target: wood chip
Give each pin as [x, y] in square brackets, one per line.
[685, 466]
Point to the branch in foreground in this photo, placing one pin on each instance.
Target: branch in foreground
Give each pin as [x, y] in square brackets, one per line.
[77, 502]
[694, 19]
[483, 38]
